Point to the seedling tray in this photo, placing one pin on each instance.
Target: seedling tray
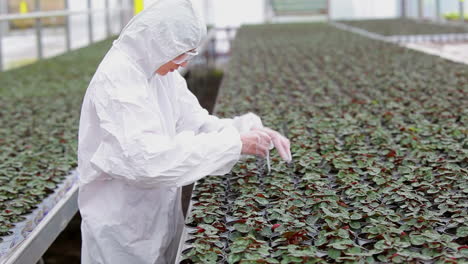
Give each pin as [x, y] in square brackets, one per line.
[31, 238]
[379, 143]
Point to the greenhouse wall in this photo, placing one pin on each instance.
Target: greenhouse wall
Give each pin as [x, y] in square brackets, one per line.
[429, 9]
[78, 22]
[353, 9]
[215, 10]
[339, 9]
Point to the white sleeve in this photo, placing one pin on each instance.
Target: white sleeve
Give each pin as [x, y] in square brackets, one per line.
[196, 118]
[134, 147]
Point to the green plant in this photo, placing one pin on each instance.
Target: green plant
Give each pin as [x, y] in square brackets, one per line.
[379, 145]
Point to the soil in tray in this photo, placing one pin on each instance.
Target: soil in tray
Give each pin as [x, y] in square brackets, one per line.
[67, 247]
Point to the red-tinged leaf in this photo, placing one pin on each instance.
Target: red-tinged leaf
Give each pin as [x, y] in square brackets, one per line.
[463, 247]
[241, 221]
[391, 154]
[220, 227]
[200, 230]
[388, 114]
[260, 195]
[295, 237]
[275, 226]
[357, 101]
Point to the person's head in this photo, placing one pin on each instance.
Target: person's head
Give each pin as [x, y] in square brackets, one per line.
[179, 61]
[160, 34]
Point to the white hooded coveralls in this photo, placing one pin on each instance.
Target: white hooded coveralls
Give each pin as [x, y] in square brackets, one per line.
[142, 136]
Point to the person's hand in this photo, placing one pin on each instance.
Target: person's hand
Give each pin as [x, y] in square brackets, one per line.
[256, 142]
[281, 143]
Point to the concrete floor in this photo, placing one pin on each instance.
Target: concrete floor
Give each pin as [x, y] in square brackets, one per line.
[455, 51]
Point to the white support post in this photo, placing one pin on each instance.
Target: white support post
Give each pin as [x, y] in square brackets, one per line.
[108, 22]
[90, 22]
[123, 13]
[461, 5]
[420, 9]
[403, 8]
[40, 54]
[1, 46]
[2, 10]
[67, 27]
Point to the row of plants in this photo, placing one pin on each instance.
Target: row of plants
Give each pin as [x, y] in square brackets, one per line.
[39, 114]
[392, 27]
[380, 154]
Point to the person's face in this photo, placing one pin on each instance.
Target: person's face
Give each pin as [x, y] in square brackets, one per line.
[171, 66]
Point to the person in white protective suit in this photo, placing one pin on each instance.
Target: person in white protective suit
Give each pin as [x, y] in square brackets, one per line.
[143, 135]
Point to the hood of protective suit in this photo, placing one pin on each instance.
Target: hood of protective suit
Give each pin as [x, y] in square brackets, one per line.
[160, 33]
